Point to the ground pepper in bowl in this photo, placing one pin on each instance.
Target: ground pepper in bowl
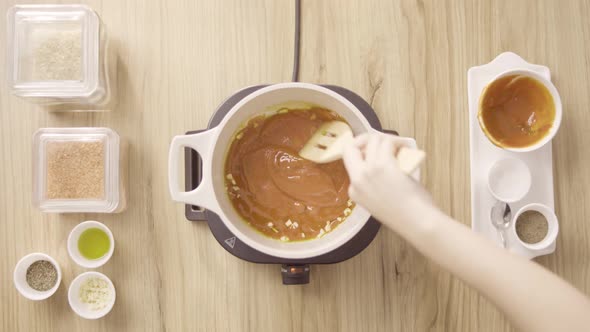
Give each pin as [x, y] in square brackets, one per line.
[41, 275]
[531, 227]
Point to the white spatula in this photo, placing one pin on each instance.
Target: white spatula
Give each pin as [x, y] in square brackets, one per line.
[328, 142]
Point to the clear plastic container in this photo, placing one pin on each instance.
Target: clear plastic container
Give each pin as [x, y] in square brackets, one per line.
[57, 54]
[79, 170]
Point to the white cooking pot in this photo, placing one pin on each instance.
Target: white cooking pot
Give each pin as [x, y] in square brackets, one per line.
[213, 144]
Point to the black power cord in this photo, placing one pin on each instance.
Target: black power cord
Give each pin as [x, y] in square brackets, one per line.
[295, 76]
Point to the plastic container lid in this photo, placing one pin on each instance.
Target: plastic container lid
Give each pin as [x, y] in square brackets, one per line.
[53, 51]
[76, 170]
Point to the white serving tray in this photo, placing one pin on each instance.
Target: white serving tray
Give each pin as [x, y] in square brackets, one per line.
[484, 154]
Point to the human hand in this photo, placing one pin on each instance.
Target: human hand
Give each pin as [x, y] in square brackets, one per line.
[378, 184]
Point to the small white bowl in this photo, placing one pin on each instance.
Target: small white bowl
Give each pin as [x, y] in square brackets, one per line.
[509, 180]
[552, 224]
[73, 245]
[82, 309]
[556, 100]
[20, 277]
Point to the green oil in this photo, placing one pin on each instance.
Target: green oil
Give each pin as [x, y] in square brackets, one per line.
[94, 243]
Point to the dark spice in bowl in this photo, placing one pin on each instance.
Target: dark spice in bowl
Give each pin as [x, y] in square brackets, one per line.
[41, 275]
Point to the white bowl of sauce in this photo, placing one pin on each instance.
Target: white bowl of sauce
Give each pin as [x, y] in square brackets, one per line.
[520, 111]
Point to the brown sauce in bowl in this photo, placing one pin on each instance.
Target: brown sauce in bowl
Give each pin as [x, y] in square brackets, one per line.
[277, 192]
[516, 111]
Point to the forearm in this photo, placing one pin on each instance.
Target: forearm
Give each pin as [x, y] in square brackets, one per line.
[531, 297]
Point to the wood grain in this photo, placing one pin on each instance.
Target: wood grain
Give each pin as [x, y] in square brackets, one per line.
[178, 59]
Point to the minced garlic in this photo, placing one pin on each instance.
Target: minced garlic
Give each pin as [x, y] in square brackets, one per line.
[272, 226]
[96, 293]
[230, 177]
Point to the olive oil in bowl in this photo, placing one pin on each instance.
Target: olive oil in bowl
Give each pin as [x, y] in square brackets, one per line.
[94, 243]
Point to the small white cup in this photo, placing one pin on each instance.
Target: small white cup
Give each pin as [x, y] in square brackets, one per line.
[552, 224]
[82, 309]
[73, 245]
[509, 180]
[20, 277]
[556, 100]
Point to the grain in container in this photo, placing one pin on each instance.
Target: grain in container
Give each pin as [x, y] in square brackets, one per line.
[57, 54]
[79, 170]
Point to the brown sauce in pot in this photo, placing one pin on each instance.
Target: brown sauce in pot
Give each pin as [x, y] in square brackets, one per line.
[277, 192]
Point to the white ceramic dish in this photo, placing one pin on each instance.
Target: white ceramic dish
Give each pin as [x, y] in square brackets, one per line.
[73, 245]
[82, 309]
[484, 154]
[546, 81]
[552, 226]
[20, 277]
[212, 146]
[509, 180]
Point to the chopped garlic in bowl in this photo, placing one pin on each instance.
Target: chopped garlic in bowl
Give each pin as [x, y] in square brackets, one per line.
[91, 295]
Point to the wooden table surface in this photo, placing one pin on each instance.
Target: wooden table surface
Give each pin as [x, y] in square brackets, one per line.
[178, 59]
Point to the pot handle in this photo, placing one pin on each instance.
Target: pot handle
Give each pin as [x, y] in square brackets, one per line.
[203, 194]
